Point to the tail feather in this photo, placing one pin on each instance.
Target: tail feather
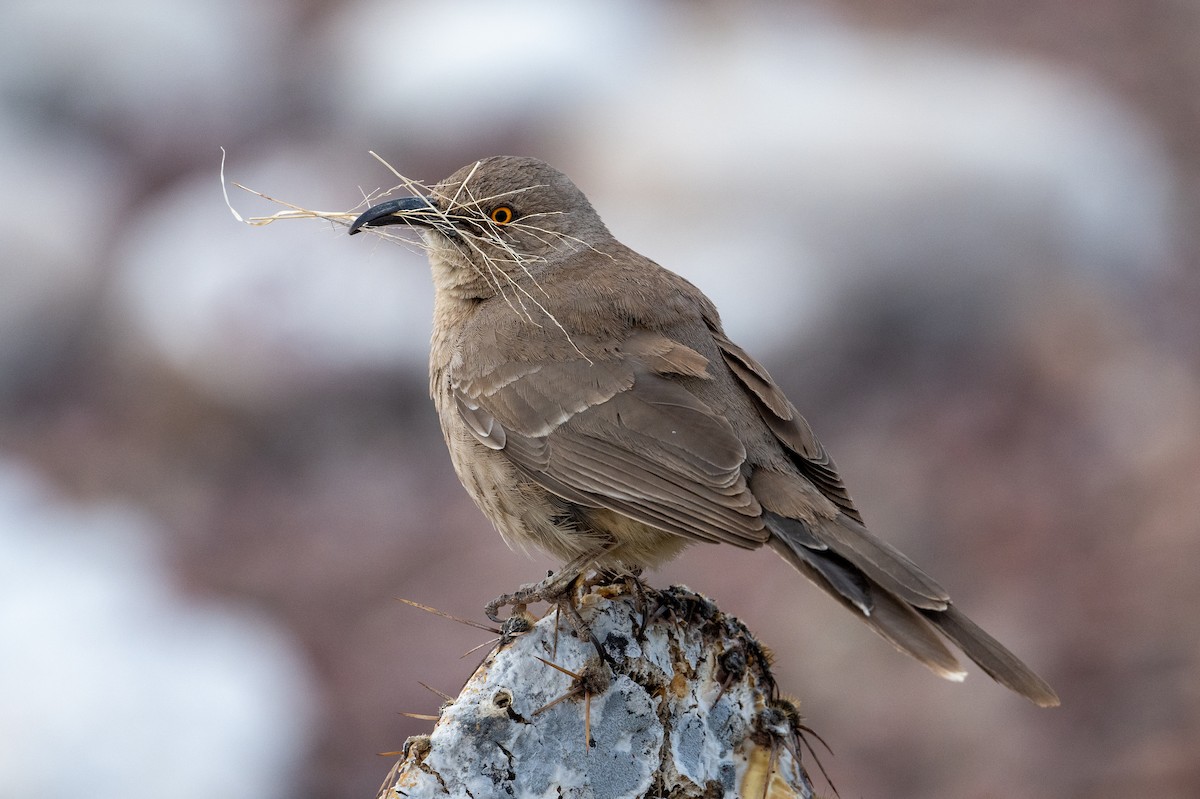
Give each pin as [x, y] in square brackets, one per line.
[990, 655]
[882, 562]
[888, 616]
[913, 630]
[842, 579]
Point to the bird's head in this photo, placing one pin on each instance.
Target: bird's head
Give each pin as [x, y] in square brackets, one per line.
[495, 223]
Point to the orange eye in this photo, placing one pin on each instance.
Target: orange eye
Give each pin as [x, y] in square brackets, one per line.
[502, 214]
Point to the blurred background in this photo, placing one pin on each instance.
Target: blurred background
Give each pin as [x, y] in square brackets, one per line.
[961, 235]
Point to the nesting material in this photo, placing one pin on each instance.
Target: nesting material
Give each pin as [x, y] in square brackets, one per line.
[686, 708]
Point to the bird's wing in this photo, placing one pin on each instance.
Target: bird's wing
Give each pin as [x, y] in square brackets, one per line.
[788, 499]
[850, 563]
[807, 453]
[610, 429]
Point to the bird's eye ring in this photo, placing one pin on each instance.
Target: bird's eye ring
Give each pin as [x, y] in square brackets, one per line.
[502, 214]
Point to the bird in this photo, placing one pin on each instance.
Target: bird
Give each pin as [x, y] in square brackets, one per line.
[595, 409]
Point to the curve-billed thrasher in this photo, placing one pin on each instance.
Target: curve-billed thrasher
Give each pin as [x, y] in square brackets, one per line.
[595, 409]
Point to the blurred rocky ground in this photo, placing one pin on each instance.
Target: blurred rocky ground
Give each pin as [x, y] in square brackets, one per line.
[962, 236]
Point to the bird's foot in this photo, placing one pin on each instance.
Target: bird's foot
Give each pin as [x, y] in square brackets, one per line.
[556, 590]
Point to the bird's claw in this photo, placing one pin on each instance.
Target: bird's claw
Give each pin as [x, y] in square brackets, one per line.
[555, 590]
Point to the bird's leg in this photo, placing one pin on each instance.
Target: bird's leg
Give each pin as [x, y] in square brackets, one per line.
[558, 589]
[554, 589]
[616, 574]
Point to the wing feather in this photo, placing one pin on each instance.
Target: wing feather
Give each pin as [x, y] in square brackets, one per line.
[608, 430]
[808, 454]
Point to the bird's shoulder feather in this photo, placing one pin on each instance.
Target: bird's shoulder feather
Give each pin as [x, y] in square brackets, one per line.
[607, 422]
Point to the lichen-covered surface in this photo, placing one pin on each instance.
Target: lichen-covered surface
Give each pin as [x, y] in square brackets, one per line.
[686, 708]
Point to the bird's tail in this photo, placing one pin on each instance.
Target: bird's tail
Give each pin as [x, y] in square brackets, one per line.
[990, 655]
[853, 566]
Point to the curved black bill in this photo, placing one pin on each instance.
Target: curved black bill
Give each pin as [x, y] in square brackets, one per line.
[405, 211]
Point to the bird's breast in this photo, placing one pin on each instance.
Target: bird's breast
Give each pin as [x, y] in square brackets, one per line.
[525, 514]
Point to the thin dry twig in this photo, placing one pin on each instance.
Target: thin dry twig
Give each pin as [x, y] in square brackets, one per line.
[481, 239]
[477, 647]
[446, 615]
[447, 697]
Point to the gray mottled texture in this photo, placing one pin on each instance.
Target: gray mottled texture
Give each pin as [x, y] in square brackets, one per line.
[677, 714]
